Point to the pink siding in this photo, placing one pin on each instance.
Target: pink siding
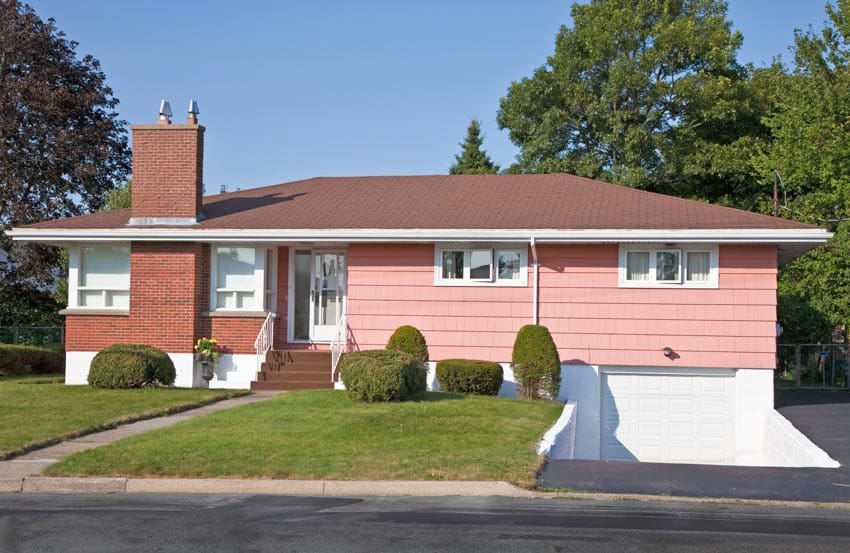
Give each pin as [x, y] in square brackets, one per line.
[591, 319]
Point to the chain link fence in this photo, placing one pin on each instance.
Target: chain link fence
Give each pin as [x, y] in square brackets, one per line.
[49, 336]
[812, 365]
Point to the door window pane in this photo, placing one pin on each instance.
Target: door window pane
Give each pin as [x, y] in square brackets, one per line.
[301, 324]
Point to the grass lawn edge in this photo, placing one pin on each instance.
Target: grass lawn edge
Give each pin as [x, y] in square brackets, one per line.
[115, 423]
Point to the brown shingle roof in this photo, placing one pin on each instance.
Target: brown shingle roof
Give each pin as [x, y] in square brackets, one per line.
[558, 201]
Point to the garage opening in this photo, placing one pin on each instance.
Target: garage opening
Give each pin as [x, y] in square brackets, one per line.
[668, 418]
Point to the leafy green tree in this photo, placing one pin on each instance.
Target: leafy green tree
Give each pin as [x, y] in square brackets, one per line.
[810, 149]
[119, 197]
[473, 160]
[63, 144]
[623, 81]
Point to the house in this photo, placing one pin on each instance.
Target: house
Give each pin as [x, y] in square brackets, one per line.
[663, 309]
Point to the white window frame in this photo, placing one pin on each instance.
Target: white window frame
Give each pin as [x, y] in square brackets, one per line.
[683, 251]
[75, 274]
[265, 299]
[494, 280]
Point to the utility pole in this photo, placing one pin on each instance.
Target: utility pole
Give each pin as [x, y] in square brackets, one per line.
[775, 193]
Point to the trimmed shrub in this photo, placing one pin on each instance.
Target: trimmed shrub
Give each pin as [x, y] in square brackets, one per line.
[536, 364]
[409, 340]
[381, 375]
[470, 376]
[130, 366]
[17, 360]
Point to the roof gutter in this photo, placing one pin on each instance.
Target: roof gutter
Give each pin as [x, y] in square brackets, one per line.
[536, 299]
[713, 236]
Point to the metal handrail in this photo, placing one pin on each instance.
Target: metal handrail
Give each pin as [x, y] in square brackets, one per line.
[263, 343]
[339, 343]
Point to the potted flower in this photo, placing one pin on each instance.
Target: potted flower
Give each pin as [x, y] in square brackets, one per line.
[207, 353]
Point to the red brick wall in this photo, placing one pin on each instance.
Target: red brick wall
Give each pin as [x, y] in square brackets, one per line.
[95, 332]
[167, 171]
[165, 294]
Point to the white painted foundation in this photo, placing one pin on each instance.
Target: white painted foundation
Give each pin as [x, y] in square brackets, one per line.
[233, 371]
[559, 441]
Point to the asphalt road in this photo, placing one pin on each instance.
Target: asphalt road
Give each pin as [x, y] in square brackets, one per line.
[185, 523]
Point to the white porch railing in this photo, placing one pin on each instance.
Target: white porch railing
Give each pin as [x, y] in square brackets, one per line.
[339, 343]
[263, 343]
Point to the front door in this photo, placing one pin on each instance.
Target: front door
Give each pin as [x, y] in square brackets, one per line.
[327, 293]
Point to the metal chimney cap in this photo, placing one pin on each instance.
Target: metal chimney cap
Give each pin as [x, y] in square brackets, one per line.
[193, 108]
[165, 111]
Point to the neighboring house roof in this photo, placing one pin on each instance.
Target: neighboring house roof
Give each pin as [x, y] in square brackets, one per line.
[451, 207]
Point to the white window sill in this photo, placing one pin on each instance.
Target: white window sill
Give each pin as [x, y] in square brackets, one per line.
[473, 283]
[95, 311]
[237, 314]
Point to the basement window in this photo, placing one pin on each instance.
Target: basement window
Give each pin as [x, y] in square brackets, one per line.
[502, 265]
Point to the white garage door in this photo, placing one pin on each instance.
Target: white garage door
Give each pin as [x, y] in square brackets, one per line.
[667, 418]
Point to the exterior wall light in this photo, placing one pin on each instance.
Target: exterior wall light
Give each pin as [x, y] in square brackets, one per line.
[668, 352]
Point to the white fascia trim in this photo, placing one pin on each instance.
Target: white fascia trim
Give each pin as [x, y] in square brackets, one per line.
[713, 236]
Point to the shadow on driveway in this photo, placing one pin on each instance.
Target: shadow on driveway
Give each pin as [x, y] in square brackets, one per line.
[822, 416]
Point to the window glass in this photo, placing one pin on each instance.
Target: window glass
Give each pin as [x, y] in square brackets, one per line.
[235, 268]
[699, 267]
[667, 266]
[104, 277]
[508, 264]
[481, 264]
[453, 264]
[637, 266]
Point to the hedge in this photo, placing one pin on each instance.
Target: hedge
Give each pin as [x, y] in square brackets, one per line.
[470, 376]
[16, 360]
[536, 364]
[409, 340]
[381, 375]
[130, 366]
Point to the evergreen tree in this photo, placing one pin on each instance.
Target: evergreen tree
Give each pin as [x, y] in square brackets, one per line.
[473, 160]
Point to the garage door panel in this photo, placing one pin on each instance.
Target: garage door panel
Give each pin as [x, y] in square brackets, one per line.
[667, 418]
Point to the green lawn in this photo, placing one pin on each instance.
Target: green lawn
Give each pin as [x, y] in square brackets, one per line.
[38, 410]
[322, 434]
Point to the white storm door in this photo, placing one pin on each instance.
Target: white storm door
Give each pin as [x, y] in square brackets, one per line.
[327, 294]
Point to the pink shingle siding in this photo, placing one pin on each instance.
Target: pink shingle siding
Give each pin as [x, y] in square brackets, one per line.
[592, 320]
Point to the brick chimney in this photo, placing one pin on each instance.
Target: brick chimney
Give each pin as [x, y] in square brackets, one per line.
[168, 161]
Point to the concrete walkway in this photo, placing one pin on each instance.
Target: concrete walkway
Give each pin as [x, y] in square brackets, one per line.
[33, 463]
[822, 416]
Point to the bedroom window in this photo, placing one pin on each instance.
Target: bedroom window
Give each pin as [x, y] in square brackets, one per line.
[242, 278]
[686, 266]
[103, 277]
[481, 266]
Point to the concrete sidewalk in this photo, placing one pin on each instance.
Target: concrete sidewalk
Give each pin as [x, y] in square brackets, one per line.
[13, 472]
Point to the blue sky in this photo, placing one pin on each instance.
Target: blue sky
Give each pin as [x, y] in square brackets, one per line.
[296, 89]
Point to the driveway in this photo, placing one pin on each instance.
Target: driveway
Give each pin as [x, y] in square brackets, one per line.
[822, 416]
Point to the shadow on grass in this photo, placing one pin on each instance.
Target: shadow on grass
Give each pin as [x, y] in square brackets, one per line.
[430, 397]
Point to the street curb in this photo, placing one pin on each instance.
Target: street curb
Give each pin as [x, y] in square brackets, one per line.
[13, 485]
[76, 485]
[354, 488]
[265, 487]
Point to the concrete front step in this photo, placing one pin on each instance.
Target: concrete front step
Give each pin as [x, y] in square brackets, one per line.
[323, 366]
[294, 370]
[290, 374]
[288, 386]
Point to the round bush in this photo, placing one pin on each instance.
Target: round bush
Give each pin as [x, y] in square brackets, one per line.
[130, 366]
[409, 340]
[381, 375]
[536, 364]
[470, 376]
